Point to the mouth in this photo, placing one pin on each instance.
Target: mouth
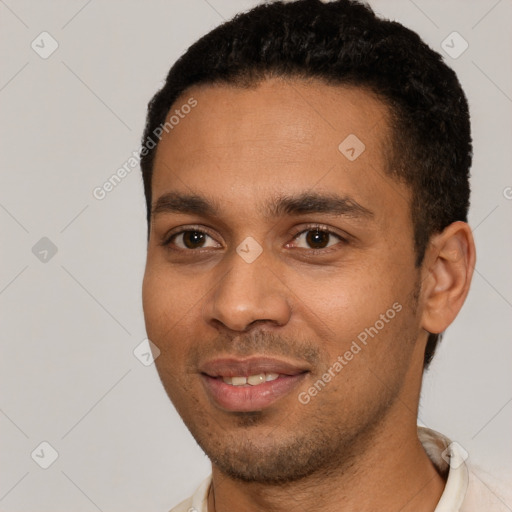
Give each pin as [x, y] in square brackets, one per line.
[247, 385]
[251, 380]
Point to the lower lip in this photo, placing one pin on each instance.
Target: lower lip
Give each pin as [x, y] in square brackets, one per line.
[249, 398]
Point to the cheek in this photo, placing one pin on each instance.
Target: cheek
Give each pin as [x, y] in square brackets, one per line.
[169, 303]
[363, 315]
[168, 309]
[346, 300]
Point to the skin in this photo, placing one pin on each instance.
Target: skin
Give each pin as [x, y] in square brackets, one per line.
[354, 446]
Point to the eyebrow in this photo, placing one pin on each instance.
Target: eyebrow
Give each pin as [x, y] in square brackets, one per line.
[282, 205]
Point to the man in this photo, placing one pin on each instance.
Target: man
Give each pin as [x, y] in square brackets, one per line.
[306, 174]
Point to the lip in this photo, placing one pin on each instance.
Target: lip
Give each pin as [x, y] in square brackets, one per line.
[249, 398]
[232, 367]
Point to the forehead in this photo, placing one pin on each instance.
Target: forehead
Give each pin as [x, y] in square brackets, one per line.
[283, 135]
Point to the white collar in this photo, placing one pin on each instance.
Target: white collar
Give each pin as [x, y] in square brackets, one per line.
[448, 457]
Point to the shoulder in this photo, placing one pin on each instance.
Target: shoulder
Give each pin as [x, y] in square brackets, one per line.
[184, 506]
[198, 502]
[469, 487]
[488, 492]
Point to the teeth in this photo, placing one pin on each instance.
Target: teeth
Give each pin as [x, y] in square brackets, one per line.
[252, 380]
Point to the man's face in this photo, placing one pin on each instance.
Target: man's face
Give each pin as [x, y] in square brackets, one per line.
[316, 304]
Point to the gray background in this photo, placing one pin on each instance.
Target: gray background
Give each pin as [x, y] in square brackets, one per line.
[70, 321]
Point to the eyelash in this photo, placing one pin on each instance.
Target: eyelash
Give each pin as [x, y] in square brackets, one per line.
[314, 227]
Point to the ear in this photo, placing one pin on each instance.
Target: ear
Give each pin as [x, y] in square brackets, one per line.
[447, 271]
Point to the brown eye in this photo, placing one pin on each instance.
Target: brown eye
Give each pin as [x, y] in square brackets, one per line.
[317, 238]
[193, 239]
[189, 240]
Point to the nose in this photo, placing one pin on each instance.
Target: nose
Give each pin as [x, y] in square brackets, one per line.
[248, 293]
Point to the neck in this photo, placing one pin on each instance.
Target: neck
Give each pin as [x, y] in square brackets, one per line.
[391, 473]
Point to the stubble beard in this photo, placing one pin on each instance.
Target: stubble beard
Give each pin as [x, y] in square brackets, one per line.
[321, 443]
[319, 447]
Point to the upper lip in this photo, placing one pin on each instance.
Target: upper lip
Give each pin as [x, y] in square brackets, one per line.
[233, 367]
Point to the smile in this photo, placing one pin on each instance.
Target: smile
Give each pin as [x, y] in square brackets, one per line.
[245, 385]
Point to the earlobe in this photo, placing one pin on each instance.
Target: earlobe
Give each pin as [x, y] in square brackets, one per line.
[448, 269]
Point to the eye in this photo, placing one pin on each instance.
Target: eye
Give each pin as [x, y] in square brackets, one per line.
[318, 238]
[189, 239]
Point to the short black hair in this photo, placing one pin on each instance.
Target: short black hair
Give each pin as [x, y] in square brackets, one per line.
[344, 43]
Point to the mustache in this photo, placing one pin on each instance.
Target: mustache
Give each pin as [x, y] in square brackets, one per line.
[255, 343]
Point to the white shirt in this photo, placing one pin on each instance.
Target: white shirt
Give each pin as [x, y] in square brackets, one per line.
[467, 489]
